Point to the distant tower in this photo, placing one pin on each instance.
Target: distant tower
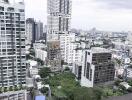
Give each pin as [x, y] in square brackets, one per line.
[30, 30]
[59, 17]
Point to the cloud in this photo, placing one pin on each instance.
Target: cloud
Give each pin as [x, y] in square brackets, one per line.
[116, 4]
[113, 15]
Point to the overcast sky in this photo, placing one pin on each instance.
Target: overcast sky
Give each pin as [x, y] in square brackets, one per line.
[111, 15]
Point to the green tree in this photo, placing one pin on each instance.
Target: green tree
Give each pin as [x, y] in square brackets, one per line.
[10, 88]
[117, 82]
[40, 61]
[83, 93]
[15, 88]
[28, 56]
[67, 69]
[130, 82]
[5, 89]
[44, 72]
[32, 52]
[0, 89]
[44, 90]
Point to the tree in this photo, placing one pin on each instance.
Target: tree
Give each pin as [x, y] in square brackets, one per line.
[44, 72]
[20, 86]
[130, 82]
[83, 93]
[10, 88]
[5, 89]
[15, 88]
[117, 82]
[40, 61]
[45, 90]
[28, 56]
[32, 52]
[67, 69]
[0, 89]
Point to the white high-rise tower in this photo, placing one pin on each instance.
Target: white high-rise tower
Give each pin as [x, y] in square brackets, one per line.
[12, 44]
[59, 18]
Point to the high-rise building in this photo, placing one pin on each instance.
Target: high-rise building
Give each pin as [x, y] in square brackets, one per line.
[98, 67]
[12, 44]
[30, 31]
[67, 47]
[59, 18]
[34, 30]
[39, 30]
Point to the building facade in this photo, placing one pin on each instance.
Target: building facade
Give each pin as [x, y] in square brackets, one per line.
[30, 31]
[67, 47]
[41, 54]
[59, 17]
[98, 67]
[39, 31]
[54, 55]
[14, 95]
[12, 44]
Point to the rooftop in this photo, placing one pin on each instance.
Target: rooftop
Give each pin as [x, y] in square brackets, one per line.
[32, 62]
[99, 50]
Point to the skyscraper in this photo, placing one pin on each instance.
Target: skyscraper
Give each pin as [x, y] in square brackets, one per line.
[34, 30]
[39, 30]
[12, 44]
[30, 30]
[59, 17]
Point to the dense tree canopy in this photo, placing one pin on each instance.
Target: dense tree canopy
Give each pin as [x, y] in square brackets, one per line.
[44, 72]
[65, 87]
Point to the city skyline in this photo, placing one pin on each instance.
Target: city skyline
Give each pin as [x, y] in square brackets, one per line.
[103, 14]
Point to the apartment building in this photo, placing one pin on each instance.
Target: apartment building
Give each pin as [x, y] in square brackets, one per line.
[98, 67]
[12, 44]
[30, 31]
[67, 47]
[41, 54]
[14, 95]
